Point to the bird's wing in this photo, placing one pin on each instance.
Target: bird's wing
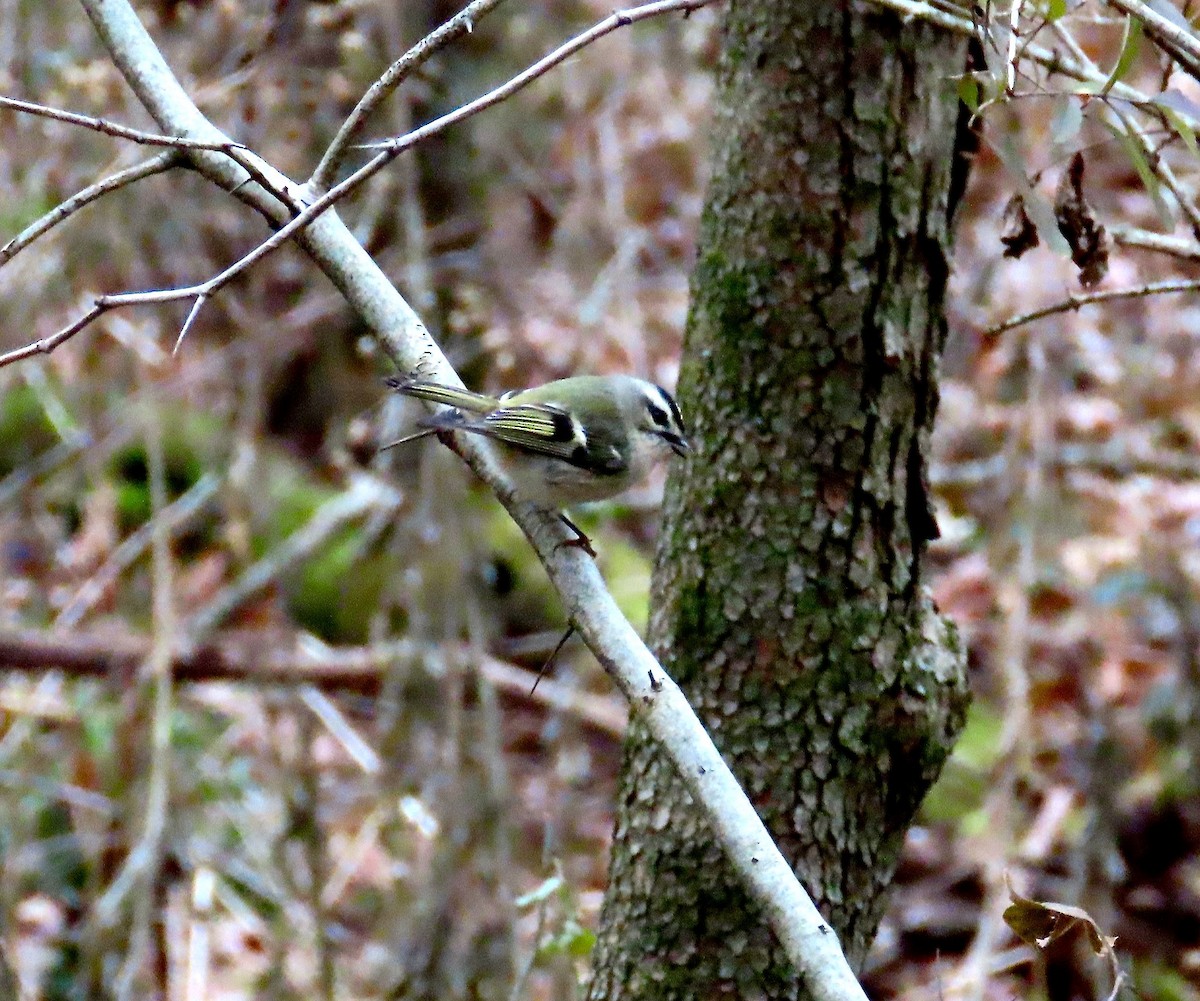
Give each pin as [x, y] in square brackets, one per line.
[535, 427]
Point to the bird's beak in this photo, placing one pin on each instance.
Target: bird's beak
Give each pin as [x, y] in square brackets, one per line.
[679, 445]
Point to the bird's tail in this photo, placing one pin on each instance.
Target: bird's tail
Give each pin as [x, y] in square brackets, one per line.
[451, 396]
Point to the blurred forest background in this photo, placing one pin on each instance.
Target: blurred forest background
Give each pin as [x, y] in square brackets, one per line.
[365, 800]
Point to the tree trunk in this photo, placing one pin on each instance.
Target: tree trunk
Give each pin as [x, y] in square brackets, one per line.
[789, 603]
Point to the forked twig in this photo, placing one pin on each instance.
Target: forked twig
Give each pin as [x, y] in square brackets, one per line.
[114, 182]
[462, 23]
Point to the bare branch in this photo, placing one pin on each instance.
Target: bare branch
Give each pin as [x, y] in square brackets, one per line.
[93, 192]
[191, 318]
[249, 661]
[1014, 35]
[1159, 165]
[460, 24]
[102, 305]
[48, 344]
[1077, 65]
[1174, 246]
[50, 460]
[918, 10]
[1052, 60]
[392, 148]
[114, 129]
[1075, 302]
[389, 151]
[142, 868]
[618, 19]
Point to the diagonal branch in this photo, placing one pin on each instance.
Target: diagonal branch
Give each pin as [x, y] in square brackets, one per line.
[175, 515]
[93, 192]
[234, 150]
[365, 494]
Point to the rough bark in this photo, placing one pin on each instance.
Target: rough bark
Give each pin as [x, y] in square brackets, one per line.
[789, 602]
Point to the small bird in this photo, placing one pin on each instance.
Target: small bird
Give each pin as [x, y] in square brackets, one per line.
[586, 438]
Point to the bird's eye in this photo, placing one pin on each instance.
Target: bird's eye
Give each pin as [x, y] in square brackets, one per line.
[658, 415]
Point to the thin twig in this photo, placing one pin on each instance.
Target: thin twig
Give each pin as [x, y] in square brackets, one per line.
[1142, 239]
[341, 729]
[199, 934]
[100, 306]
[1014, 35]
[148, 168]
[392, 148]
[365, 494]
[50, 460]
[114, 438]
[120, 131]
[236, 151]
[618, 19]
[1119, 458]
[175, 515]
[917, 10]
[462, 23]
[1075, 302]
[143, 864]
[1157, 163]
[350, 859]
[1052, 60]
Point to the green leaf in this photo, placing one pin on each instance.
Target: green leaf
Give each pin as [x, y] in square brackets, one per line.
[968, 91]
[1182, 114]
[1137, 157]
[1055, 9]
[1129, 50]
[1184, 130]
[573, 940]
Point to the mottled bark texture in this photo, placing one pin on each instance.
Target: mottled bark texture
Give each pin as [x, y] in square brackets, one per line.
[788, 601]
